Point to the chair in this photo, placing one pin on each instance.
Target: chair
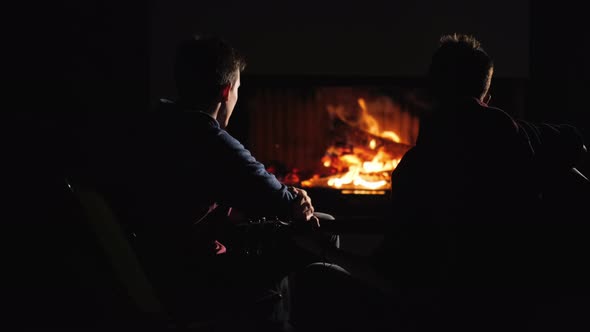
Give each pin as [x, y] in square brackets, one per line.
[108, 234]
[125, 264]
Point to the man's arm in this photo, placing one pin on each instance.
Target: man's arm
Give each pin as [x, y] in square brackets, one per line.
[246, 184]
[556, 146]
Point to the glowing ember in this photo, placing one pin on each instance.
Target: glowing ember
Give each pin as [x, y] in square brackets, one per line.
[373, 144]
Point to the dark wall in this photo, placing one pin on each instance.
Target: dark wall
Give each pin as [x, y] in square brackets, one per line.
[560, 66]
[75, 72]
[339, 38]
[77, 67]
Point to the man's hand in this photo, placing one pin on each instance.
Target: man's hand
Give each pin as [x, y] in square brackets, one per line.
[302, 207]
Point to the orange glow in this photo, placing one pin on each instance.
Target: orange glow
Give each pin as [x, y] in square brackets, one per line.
[372, 126]
[365, 174]
[362, 165]
[391, 135]
[373, 144]
[367, 168]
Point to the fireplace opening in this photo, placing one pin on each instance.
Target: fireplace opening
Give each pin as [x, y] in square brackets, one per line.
[340, 142]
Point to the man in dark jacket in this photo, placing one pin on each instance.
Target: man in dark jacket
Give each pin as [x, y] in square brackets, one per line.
[468, 200]
[189, 178]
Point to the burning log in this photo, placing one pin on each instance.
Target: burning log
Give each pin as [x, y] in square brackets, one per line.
[355, 137]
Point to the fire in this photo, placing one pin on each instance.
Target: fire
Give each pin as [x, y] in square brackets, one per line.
[367, 159]
[391, 135]
[372, 126]
[364, 174]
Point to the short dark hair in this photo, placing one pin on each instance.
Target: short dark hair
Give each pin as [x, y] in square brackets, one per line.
[460, 66]
[202, 66]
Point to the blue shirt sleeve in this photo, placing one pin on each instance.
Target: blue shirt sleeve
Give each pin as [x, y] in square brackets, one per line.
[244, 182]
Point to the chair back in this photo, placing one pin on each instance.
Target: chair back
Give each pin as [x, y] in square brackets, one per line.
[111, 238]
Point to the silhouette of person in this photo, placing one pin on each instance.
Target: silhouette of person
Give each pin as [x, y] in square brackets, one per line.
[467, 200]
[188, 179]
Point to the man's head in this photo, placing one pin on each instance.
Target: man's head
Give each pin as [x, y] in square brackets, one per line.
[207, 74]
[460, 67]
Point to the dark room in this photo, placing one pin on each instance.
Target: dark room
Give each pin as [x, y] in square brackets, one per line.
[296, 166]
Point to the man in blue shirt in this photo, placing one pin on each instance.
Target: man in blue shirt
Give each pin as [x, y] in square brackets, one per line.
[190, 177]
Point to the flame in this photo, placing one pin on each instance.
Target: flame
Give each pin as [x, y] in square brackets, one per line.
[391, 135]
[372, 126]
[353, 177]
[366, 174]
[367, 121]
[373, 144]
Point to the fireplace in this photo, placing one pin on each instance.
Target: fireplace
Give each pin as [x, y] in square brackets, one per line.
[339, 140]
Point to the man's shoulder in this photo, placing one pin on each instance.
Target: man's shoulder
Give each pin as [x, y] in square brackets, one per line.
[410, 160]
[194, 128]
[170, 113]
[498, 119]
